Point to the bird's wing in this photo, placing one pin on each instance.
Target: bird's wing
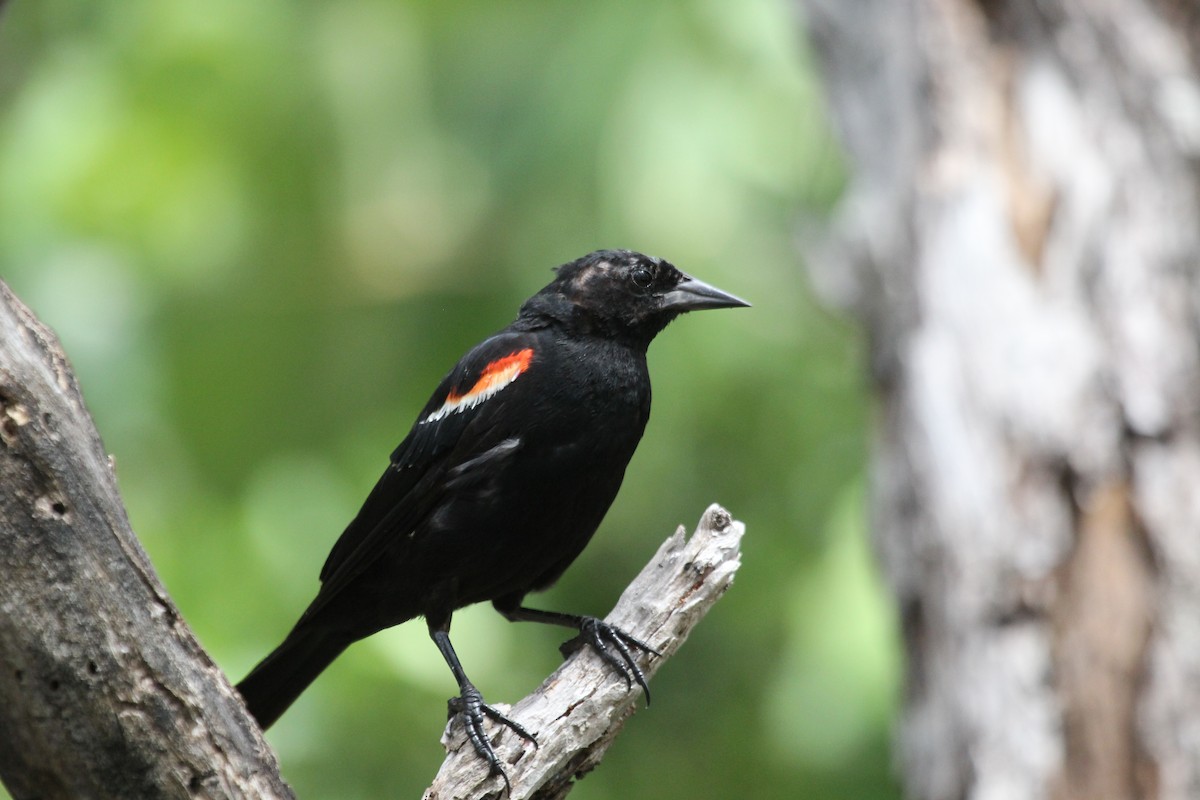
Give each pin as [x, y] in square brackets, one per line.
[459, 431]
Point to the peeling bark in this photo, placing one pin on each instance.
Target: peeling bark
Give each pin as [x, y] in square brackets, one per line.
[1100, 626]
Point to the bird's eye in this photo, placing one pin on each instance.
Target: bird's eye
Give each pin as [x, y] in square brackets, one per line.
[642, 277]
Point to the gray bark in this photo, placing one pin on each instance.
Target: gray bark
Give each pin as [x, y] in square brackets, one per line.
[104, 691]
[1020, 238]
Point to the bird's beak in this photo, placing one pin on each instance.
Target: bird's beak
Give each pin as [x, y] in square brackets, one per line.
[693, 295]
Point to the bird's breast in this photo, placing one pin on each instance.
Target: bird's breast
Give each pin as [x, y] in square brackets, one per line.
[596, 399]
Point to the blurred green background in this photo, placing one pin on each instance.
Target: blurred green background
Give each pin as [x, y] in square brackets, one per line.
[265, 229]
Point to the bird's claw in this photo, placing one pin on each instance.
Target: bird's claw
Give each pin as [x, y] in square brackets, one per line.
[471, 710]
[605, 639]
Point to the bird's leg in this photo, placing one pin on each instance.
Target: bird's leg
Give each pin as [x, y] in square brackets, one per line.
[610, 642]
[471, 709]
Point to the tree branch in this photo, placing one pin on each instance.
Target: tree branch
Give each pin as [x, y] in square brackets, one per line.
[578, 711]
[104, 691]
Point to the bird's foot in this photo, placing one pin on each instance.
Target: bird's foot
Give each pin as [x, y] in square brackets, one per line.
[615, 646]
[471, 710]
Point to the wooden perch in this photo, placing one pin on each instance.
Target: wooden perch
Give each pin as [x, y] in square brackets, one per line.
[578, 711]
[104, 690]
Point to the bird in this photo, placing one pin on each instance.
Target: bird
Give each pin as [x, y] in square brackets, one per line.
[499, 485]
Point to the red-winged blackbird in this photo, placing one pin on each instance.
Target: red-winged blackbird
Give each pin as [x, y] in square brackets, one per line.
[501, 482]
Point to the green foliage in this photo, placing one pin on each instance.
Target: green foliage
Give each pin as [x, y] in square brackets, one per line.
[246, 217]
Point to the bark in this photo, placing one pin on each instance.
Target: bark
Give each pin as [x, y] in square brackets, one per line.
[1020, 239]
[104, 691]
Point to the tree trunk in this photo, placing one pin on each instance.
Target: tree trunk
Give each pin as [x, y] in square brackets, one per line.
[104, 691]
[1020, 238]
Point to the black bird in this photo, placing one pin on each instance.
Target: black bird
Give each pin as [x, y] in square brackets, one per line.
[501, 482]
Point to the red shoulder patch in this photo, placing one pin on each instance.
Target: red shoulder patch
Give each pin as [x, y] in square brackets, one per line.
[494, 377]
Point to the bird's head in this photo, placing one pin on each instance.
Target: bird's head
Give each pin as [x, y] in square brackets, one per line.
[623, 294]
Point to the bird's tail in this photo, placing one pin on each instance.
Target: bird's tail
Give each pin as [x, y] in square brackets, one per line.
[279, 679]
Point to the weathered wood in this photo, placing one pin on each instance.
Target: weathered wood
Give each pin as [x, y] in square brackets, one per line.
[1020, 239]
[104, 691]
[578, 711]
